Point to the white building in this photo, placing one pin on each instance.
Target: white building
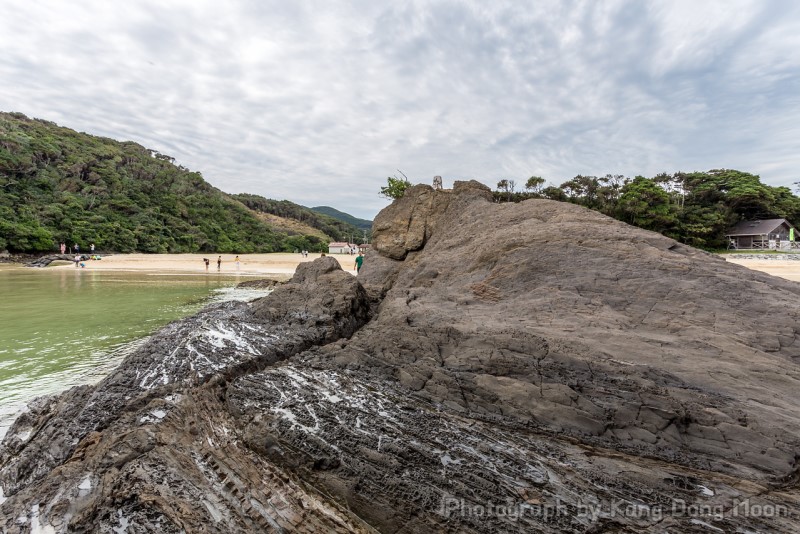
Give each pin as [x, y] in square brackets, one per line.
[341, 248]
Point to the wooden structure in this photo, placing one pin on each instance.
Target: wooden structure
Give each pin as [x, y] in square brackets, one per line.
[763, 235]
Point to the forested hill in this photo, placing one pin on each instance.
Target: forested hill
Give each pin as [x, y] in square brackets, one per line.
[361, 224]
[334, 227]
[58, 185]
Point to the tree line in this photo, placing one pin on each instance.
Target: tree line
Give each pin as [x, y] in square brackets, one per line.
[695, 208]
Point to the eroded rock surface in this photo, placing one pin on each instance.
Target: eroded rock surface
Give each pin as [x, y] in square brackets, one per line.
[150, 448]
[532, 367]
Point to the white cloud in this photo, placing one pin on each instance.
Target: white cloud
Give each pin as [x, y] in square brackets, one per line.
[318, 102]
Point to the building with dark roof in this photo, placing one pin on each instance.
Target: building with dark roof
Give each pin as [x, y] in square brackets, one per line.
[761, 234]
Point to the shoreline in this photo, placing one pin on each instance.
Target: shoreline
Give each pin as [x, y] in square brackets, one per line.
[282, 265]
[276, 264]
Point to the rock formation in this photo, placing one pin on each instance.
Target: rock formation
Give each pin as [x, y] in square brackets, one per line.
[44, 261]
[531, 367]
[261, 283]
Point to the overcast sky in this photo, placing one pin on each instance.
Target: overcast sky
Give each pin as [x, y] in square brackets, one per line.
[318, 102]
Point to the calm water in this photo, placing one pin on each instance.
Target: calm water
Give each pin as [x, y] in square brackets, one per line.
[63, 327]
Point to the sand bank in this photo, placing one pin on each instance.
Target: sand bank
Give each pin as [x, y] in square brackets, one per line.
[250, 264]
[789, 269]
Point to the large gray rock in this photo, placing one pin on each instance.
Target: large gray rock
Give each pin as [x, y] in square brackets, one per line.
[319, 294]
[408, 223]
[570, 321]
[569, 324]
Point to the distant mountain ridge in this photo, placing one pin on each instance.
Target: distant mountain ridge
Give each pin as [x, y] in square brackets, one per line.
[361, 224]
[58, 185]
[336, 227]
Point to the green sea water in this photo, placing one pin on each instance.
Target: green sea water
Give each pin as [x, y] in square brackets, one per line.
[64, 327]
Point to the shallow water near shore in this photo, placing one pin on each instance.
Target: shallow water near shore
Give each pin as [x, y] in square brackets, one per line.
[61, 327]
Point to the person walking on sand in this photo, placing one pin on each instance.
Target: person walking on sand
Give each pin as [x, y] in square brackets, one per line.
[359, 261]
[237, 262]
[77, 260]
[219, 263]
[207, 262]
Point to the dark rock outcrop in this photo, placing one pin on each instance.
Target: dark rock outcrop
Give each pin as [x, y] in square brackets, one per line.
[494, 367]
[44, 261]
[261, 283]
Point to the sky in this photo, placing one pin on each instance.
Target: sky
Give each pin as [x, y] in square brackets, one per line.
[319, 102]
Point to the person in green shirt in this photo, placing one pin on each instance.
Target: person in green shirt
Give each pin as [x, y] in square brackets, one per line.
[359, 261]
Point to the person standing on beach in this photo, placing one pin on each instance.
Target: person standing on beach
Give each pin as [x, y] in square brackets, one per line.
[63, 248]
[219, 262]
[359, 261]
[237, 262]
[207, 262]
[77, 249]
[77, 260]
[91, 248]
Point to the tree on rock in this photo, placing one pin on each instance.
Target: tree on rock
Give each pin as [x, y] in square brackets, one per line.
[395, 188]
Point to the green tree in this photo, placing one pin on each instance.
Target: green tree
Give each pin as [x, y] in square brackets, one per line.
[703, 226]
[554, 193]
[646, 205]
[395, 188]
[535, 184]
[507, 187]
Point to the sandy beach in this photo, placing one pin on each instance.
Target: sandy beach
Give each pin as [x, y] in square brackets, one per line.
[788, 269]
[278, 264]
[283, 265]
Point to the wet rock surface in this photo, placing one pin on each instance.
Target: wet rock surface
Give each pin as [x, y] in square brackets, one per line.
[261, 283]
[44, 261]
[531, 367]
